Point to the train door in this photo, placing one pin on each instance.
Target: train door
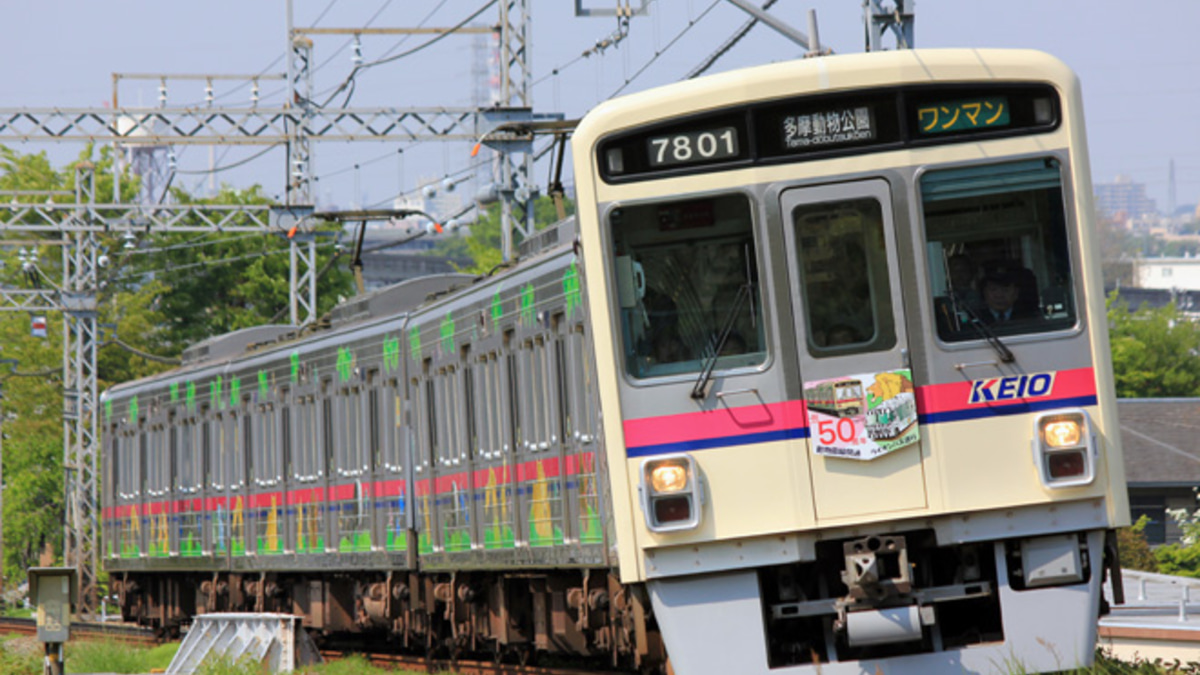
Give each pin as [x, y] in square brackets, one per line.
[425, 425]
[577, 424]
[491, 451]
[853, 350]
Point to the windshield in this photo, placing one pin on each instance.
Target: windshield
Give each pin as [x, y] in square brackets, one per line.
[680, 267]
[997, 247]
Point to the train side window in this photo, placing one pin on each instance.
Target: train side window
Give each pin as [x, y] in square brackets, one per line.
[470, 431]
[513, 384]
[428, 405]
[998, 250]
[178, 478]
[243, 443]
[561, 386]
[685, 270]
[844, 277]
[583, 411]
[143, 478]
[394, 443]
[349, 451]
[326, 455]
[285, 443]
[374, 430]
[485, 399]
[306, 439]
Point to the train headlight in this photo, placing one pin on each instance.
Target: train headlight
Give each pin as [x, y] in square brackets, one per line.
[1064, 449]
[668, 477]
[1061, 433]
[671, 494]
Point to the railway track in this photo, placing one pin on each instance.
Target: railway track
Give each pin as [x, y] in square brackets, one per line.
[84, 631]
[142, 637]
[463, 667]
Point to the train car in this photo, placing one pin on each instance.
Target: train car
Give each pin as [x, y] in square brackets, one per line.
[839, 398]
[432, 466]
[801, 217]
[423, 468]
[891, 418]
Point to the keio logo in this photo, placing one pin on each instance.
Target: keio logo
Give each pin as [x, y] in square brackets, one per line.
[1011, 388]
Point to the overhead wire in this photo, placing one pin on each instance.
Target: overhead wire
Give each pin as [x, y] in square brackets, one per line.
[195, 243]
[234, 165]
[727, 45]
[449, 174]
[691, 23]
[349, 81]
[600, 47]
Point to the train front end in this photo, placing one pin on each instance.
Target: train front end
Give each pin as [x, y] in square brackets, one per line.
[854, 365]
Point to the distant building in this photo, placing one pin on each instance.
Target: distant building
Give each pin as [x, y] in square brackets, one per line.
[1124, 200]
[1162, 460]
[1167, 273]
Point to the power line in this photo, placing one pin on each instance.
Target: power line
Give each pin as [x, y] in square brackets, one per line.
[690, 24]
[218, 169]
[349, 81]
[727, 45]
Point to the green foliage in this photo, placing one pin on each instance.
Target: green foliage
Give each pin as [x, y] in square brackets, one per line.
[209, 285]
[159, 657]
[1153, 352]
[1135, 550]
[1182, 558]
[112, 656]
[171, 291]
[484, 246]
[223, 665]
[20, 656]
[351, 665]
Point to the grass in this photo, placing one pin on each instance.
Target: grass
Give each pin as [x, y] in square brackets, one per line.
[112, 656]
[351, 665]
[19, 656]
[24, 657]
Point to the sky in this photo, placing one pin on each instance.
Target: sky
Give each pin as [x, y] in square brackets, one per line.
[1137, 61]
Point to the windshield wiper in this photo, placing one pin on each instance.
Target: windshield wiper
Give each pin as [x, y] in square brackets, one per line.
[700, 391]
[1006, 355]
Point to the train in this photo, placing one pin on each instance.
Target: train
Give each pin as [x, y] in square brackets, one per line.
[839, 398]
[604, 449]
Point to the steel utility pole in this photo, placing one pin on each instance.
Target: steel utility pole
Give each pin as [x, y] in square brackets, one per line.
[295, 125]
[898, 18]
[78, 226]
[12, 365]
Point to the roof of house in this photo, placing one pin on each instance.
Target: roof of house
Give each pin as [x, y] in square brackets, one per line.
[1161, 439]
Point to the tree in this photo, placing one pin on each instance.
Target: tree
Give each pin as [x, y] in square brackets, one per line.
[170, 291]
[1182, 558]
[483, 246]
[1134, 549]
[1154, 351]
[214, 284]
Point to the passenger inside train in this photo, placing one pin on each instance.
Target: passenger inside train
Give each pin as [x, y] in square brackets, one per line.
[688, 286]
[1012, 217]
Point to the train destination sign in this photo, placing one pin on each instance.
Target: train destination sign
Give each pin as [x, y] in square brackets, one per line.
[830, 127]
[812, 127]
[965, 115]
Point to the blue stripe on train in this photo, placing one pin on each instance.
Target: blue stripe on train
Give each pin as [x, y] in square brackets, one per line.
[977, 412]
[719, 442]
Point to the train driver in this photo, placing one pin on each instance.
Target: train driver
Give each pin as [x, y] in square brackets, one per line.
[1004, 293]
